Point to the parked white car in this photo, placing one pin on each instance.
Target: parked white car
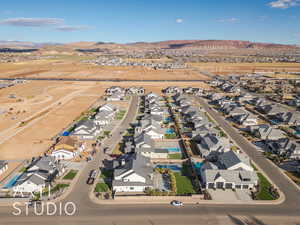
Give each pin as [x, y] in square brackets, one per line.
[176, 203]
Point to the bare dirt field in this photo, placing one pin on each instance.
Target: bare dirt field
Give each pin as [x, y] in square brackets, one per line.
[238, 68]
[74, 69]
[49, 112]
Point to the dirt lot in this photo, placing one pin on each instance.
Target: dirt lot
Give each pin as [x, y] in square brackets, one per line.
[24, 100]
[48, 112]
[54, 68]
[226, 68]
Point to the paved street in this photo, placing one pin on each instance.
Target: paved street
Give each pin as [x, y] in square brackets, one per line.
[91, 213]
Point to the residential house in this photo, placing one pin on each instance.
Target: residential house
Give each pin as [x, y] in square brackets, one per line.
[86, 130]
[245, 119]
[172, 90]
[289, 118]
[228, 107]
[129, 147]
[3, 166]
[114, 90]
[103, 118]
[143, 141]
[229, 179]
[31, 182]
[231, 160]
[135, 91]
[244, 98]
[115, 97]
[284, 147]
[258, 101]
[204, 129]
[209, 146]
[231, 171]
[270, 109]
[133, 175]
[151, 128]
[266, 132]
[67, 148]
[108, 108]
[40, 173]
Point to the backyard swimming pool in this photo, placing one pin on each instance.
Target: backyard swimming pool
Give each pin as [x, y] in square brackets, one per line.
[169, 131]
[198, 166]
[168, 119]
[12, 181]
[175, 168]
[174, 150]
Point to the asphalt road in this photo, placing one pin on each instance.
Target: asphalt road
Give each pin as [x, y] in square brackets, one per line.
[91, 213]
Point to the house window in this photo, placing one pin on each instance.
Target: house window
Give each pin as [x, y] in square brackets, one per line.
[131, 188]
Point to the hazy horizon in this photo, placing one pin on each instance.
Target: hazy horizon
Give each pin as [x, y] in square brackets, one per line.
[268, 21]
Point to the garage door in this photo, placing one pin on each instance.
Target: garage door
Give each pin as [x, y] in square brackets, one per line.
[238, 186]
[228, 185]
[245, 186]
[211, 185]
[220, 184]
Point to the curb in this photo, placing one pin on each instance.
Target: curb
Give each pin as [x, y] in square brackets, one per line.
[200, 202]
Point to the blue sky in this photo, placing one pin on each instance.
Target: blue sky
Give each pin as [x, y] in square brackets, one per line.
[150, 20]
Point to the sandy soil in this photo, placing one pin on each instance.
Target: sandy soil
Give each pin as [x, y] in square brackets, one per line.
[75, 69]
[226, 68]
[31, 97]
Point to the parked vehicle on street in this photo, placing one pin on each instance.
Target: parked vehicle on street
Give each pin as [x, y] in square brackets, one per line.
[93, 174]
[176, 203]
[90, 181]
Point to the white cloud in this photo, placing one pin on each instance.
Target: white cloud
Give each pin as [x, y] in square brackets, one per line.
[57, 23]
[230, 20]
[284, 4]
[32, 22]
[72, 28]
[179, 20]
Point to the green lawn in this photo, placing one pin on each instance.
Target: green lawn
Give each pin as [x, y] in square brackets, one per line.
[101, 187]
[120, 114]
[106, 133]
[56, 188]
[184, 185]
[170, 136]
[70, 175]
[23, 170]
[175, 156]
[264, 193]
[106, 173]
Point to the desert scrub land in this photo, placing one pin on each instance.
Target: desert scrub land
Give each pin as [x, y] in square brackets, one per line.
[227, 68]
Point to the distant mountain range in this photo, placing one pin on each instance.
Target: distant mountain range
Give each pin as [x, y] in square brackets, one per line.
[233, 44]
[23, 44]
[171, 44]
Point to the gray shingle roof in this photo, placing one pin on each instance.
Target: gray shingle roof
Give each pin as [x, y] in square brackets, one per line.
[3, 163]
[230, 158]
[138, 164]
[231, 176]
